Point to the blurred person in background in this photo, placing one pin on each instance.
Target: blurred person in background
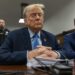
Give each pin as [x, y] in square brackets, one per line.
[3, 31]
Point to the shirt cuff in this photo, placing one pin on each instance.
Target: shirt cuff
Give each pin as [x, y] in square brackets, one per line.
[58, 55]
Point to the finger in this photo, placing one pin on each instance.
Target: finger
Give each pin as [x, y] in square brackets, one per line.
[49, 48]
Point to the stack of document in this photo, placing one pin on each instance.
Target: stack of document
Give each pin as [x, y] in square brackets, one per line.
[48, 62]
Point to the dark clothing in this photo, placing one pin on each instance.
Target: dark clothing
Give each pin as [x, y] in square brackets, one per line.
[14, 49]
[3, 35]
[69, 45]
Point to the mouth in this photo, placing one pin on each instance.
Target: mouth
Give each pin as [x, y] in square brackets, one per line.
[38, 23]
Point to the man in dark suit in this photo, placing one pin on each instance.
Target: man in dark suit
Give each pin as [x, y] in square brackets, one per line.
[18, 47]
[68, 49]
[3, 31]
[69, 46]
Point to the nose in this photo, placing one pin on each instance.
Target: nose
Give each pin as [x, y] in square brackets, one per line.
[37, 16]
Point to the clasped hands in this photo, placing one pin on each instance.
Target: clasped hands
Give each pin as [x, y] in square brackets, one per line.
[44, 52]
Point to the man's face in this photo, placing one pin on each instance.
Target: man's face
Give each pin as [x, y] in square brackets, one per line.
[34, 19]
[2, 24]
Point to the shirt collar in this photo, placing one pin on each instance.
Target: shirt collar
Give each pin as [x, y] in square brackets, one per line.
[31, 33]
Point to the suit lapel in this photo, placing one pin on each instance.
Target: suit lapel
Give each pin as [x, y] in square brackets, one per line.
[27, 40]
[44, 39]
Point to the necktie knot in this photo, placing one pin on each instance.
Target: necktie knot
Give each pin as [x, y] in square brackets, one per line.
[35, 35]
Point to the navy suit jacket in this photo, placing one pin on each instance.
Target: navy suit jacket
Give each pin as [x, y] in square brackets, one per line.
[69, 45]
[14, 49]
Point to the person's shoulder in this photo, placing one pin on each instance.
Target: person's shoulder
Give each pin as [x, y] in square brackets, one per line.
[18, 31]
[48, 33]
[70, 34]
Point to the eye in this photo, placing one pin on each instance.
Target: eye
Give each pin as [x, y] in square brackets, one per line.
[40, 14]
[35, 14]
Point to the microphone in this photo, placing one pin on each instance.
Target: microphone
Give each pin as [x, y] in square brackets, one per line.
[66, 60]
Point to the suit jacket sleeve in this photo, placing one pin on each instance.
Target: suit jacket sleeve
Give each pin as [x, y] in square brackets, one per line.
[9, 54]
[69, 47]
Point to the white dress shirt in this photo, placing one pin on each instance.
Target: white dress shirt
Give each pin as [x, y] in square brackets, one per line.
[33, 61]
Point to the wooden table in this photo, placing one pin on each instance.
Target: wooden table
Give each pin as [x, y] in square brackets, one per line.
[22, 70]
[19, 70]
[13, 67]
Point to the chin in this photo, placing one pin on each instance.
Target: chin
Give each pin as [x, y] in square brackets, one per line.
[38, 28]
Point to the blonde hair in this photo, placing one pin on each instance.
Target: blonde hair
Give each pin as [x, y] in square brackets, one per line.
[29, 7]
